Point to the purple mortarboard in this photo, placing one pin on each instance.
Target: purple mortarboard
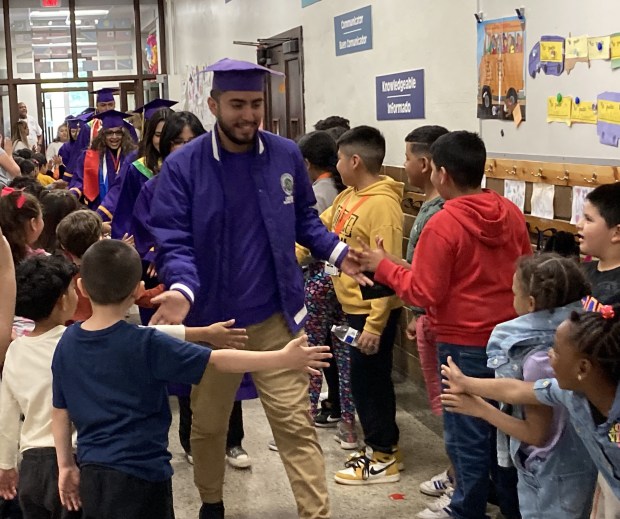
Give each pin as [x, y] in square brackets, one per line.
[88, 110]
[151, 107]
[105, 95]
[112, 119]
[85, 117]
[73, 122]
[243, 76]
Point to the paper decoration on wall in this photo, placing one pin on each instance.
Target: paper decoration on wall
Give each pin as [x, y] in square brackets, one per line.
[533, 64]
[197, 86]
[598, 47]
[579, 197]
[501, 68]
[514, 190]
[552, 55]
[542, 200]
[608, 127]
[585, 112]
[614, 47]
[559, 109]
[517, 115]
[576, 51]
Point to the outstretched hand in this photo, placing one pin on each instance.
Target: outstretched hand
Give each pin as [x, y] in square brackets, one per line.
[173, 308]
[351, 267]
[308, 358]
[370, 258]
[224, 336]
[464, 404]
[453, 378]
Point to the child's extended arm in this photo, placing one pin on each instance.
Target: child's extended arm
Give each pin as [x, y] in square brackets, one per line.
[533, 430]
[218, 335]
[295, 355]
[7, 301]
[68, 472]
[507, 390]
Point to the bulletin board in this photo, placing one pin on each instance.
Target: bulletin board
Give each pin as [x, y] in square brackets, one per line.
[535, 138]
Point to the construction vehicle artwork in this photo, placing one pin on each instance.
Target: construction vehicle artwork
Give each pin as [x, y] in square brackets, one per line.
[501, 84]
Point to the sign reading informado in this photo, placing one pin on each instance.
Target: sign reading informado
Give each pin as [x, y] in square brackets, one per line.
[400, 96]
[353, 31]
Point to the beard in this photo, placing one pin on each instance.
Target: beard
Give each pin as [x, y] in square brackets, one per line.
[228, 131]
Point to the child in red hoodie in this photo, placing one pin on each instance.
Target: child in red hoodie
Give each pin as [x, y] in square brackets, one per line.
[462, 275]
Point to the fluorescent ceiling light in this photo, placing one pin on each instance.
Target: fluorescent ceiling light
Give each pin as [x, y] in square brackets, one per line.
[59, 44]
[64, 13]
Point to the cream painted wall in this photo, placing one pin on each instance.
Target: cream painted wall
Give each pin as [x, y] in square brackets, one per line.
[438, 36]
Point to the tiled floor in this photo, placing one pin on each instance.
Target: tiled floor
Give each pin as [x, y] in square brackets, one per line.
[263, 490]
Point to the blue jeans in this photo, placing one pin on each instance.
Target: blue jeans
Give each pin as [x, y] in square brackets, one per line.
[556, 497]
[469, 441]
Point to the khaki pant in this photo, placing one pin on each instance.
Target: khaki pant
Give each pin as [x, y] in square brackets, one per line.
[284, 395]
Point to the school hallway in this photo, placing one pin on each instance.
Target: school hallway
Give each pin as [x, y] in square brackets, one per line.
[263, 490]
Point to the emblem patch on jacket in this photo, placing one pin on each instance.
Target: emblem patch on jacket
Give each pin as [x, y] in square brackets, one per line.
[287, 183]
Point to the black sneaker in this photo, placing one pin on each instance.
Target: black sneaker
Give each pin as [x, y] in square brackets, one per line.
[212, 511]
[326, 417]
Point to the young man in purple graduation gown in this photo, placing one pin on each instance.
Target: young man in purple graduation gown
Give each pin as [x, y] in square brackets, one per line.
[226, 214]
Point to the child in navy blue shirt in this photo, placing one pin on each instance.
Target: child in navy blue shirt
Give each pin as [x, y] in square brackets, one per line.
[109, 380]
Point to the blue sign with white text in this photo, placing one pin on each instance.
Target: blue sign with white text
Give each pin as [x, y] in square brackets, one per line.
[400, 96]
[353, 31]
[306, 3]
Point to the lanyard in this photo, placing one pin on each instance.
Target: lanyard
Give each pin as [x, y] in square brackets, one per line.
[344, 215]
[116, 160]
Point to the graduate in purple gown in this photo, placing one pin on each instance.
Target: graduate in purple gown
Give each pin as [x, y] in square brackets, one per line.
[180, 128]
[226, 214]
[98, 167]
[144, 167]
[66, 151]
[104, 101]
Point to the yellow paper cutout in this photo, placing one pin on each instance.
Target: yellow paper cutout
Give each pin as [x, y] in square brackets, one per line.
[615, 50]
[577, 47]
[559, 112]
[609, 111]
[584, 113]
[551, 51]
[594, 52]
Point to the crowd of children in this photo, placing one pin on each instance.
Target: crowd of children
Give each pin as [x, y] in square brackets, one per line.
[528, 345]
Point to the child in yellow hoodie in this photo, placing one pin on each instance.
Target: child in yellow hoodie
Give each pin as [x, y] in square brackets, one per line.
[369, 207]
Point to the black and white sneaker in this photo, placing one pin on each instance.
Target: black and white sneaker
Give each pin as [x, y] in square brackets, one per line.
[326, 417]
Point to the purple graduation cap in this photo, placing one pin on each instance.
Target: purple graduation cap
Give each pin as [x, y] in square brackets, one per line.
[88, 110]
[105, 95]
[151, 107]
[73, 123]
[242, 76]
[112, 119]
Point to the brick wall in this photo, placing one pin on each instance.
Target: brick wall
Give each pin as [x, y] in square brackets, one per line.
[406, 359]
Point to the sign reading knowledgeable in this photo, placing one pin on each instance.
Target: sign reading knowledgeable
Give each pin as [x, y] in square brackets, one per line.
[353, 31]
[400, 96]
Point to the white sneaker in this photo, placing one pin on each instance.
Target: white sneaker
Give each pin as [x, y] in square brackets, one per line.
[441, 502]
[238, 458]
[437, 485]
[444, 513]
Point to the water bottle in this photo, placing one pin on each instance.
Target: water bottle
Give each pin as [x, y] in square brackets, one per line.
[346, 334]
